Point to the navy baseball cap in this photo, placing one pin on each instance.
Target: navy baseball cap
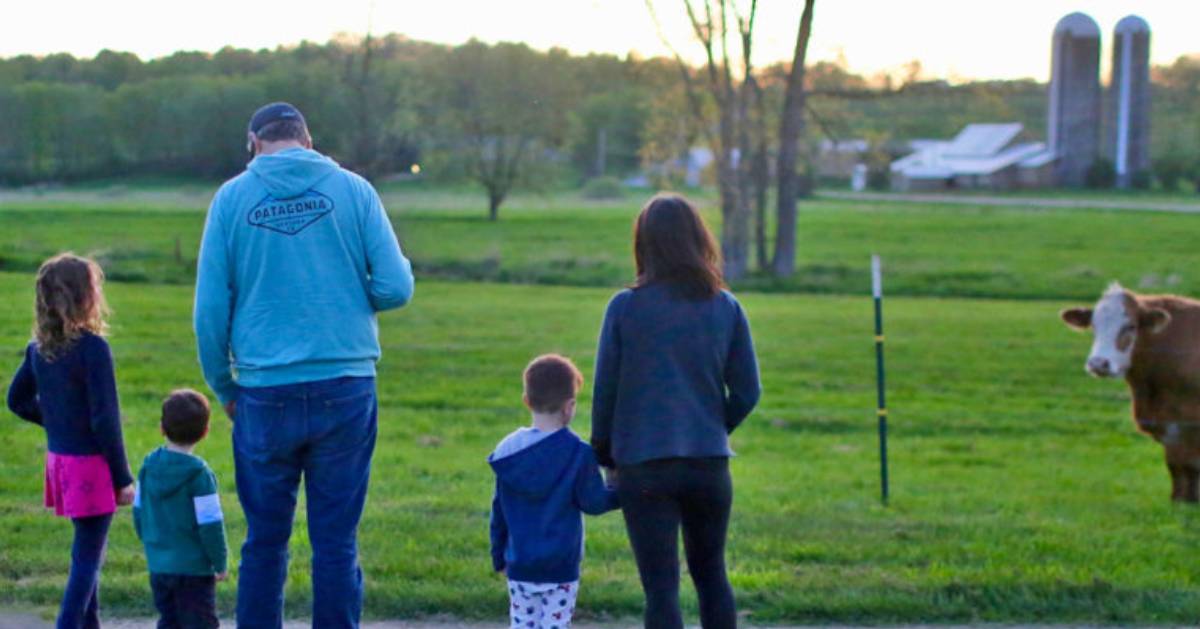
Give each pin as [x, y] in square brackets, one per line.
[274, 113]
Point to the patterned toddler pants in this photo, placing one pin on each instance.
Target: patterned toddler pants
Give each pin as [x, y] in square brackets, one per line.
[542, 605]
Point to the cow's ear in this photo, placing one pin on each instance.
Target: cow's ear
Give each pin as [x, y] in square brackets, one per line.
[1153, 320]
[1078, 318]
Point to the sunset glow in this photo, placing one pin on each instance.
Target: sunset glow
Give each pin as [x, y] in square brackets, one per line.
[952, 39]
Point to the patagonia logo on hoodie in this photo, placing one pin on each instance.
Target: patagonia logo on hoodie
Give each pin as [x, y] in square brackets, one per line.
[290, 216]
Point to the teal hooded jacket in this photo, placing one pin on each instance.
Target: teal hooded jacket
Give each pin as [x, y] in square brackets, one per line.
[297, 258]
[177, 515]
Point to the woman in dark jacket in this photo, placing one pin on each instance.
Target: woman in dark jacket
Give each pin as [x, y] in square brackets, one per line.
[675, 374]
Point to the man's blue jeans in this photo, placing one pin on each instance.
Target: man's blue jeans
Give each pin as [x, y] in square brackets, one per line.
[324, 431]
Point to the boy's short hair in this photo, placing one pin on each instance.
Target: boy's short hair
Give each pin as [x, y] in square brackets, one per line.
[185, 416]
[550, 382]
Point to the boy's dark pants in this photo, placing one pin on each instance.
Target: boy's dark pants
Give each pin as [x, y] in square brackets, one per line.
[185, 601]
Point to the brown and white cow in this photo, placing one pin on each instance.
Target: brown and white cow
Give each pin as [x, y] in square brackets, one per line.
[1153, 341]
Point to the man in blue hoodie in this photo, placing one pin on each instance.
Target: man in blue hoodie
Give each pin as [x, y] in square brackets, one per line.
[298, 256]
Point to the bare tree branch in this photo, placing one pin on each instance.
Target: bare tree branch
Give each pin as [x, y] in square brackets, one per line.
[690, 92]
[728, 66]
[704, 33]
[826, 129]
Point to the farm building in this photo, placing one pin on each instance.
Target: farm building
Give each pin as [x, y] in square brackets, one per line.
[1128, 144]
[1073, 114]
[836, 159]
[984, 155]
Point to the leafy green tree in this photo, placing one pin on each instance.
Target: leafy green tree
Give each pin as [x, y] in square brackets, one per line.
[110, 69]
[498, 110]
[606, 132]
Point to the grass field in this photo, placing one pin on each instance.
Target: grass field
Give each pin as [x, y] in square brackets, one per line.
[946, 251]
[1021, 491]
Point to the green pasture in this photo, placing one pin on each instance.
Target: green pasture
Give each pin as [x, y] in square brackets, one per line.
[1021, 491]
[946, 251]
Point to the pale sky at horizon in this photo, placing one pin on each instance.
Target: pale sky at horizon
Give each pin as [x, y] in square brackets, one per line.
[953, 39]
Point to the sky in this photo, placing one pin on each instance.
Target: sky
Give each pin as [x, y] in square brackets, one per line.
[953, 39]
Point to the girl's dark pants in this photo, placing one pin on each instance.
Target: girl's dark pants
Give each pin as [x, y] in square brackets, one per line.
[658, 498]
[81, 601]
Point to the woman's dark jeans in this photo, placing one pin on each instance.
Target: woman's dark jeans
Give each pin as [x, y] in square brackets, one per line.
[657, 498]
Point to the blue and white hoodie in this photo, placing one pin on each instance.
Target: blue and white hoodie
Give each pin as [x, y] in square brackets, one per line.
[545, 482]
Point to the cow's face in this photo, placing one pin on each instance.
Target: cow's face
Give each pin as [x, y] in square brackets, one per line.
[1116, 322]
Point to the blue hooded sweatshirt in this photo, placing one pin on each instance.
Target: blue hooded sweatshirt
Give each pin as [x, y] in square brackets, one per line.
[297, 257]
[542, 490]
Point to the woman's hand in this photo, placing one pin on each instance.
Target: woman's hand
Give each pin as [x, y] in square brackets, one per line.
[611, 477]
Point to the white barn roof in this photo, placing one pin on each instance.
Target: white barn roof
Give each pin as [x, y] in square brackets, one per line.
[977, 140]
[979, 149]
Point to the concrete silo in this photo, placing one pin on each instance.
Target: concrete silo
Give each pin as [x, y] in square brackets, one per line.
[1073, 120]
[1129, 99]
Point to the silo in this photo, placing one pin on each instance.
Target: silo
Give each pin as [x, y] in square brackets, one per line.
[1129, 99]
[1073, 120]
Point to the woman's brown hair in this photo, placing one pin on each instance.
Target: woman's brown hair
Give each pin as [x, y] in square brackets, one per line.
[69, 303]
[671, 244]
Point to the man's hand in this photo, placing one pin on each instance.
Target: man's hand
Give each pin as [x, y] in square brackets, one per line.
[222, 576]
[231, 408]
[125, 495]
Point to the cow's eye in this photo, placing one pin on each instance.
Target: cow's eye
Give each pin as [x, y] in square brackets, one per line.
[1128, 329]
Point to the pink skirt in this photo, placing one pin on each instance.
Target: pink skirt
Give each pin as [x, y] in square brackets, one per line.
[79, 486]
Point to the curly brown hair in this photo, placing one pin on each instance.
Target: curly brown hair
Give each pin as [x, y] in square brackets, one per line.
[69, 303]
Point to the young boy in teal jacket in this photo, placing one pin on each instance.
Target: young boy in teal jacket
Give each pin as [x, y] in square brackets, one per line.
[177, 515]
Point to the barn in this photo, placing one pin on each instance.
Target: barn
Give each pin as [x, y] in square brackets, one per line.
[993, 156]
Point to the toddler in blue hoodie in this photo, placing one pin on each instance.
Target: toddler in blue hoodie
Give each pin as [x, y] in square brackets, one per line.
[546, 478]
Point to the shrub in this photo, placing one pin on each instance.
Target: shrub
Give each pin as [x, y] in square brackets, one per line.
[879, 178]
[1100, 175]
[1141, 180]
[1170, 169]
[603, 188]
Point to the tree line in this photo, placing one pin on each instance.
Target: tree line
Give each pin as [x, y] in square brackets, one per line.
[378, 105]
[506, 115]
[64, 118]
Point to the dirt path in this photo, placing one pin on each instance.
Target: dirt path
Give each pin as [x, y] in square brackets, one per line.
[1020, 202]
[28, 621]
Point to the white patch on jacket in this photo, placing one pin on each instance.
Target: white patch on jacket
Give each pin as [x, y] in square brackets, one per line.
[208, 509]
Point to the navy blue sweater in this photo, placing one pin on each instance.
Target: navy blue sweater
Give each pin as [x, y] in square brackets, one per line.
[75, 399]
[674, 376]
[541, 493]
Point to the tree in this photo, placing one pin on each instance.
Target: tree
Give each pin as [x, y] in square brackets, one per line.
[791, 131]
[499, 111]
[606, 132]
[109, 69]
[668, 137]
[731, 144]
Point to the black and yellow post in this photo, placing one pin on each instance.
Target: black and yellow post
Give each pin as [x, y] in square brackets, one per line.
[882, 412]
